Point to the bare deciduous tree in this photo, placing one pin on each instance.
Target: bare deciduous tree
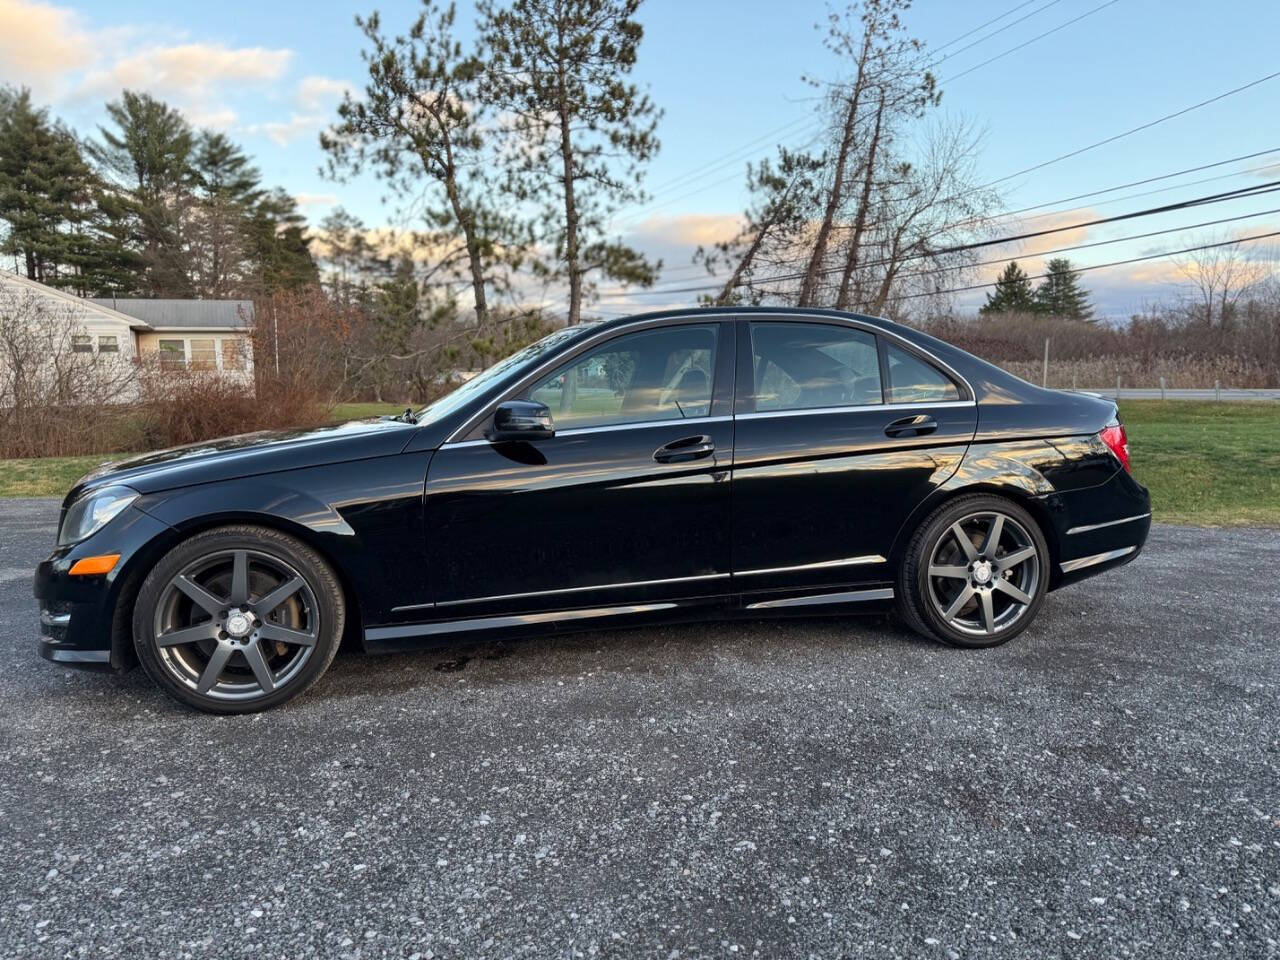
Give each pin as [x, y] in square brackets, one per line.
[1220, 277]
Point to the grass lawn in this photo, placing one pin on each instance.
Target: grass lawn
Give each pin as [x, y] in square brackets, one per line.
[358, 411]
[46, 476]
[1205, 463]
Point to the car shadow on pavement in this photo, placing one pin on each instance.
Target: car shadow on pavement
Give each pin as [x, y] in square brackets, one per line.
[639, 651]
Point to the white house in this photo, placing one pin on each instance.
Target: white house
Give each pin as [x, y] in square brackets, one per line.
[195, 334]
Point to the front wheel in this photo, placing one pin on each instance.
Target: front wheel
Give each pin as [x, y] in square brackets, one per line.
[975, 573]
[238, 619]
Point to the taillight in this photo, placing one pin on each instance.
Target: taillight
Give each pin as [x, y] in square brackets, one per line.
[1117, 441]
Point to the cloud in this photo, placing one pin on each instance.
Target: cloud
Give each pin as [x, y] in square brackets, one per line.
[284, 132]
[317, 92]
[39, 42]
[188, 72]
[316, 199]
[687, 230]
[215, 118]
[388, 242]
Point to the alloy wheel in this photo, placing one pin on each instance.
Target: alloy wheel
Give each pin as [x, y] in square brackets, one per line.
[236, 624]
[984, 572]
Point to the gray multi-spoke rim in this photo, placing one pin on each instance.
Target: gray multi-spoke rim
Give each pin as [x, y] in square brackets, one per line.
[236, 625]
[984, 572]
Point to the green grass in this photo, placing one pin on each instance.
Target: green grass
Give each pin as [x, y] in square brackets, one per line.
[1214, 464]
[46, 476]
[358, 411]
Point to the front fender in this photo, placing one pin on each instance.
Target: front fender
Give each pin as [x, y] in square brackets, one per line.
[365, 518]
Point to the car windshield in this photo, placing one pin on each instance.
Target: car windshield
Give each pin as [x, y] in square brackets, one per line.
[507, 368]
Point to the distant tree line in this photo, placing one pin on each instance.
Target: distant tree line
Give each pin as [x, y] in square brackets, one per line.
[1059, 293]
[149, 206]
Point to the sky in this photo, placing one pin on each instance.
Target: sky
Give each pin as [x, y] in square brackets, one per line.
[729, 76]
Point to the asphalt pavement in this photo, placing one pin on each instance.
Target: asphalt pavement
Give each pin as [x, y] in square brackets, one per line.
[1107, 785]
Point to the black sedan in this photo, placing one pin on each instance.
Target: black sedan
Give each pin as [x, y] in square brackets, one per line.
[680, 465]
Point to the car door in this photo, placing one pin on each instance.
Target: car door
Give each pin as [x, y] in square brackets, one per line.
[841, 431]
[627, 502]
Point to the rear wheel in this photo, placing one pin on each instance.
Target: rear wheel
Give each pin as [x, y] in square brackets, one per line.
[975, 573]
[238, 619]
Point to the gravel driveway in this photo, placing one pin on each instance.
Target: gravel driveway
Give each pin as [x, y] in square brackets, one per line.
[1106, 785]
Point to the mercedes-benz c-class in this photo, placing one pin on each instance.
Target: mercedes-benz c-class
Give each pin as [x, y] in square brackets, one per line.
[683, 465]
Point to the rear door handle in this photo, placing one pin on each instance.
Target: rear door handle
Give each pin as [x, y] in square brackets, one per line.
[687, 448]
[916, 426]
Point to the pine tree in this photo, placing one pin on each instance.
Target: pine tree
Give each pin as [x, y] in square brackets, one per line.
[227, 188]
[559, 68]
[1060, 293]
[279, 247]
[1012, 293]
[149, 156]
[422, 115]
[45, 187]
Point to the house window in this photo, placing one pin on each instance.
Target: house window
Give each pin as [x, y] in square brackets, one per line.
[108, 344]
[173, 353]
[81, 343]
[232, 355]
[204, 354]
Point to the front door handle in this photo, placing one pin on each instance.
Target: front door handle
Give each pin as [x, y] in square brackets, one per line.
[916, 426]
[687, 448]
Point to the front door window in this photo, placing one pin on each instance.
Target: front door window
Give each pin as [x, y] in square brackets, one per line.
[655, 375]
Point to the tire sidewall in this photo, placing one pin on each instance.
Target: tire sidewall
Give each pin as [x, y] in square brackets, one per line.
[935, 528]
[309, 565]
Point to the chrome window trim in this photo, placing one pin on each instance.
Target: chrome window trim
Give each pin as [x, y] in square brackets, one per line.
[550, 593]
[870, 328]
[607, 334]
[1069, 566]
[854, 408]
[579, 431]
[583, 431]
[1109, 523]
[599, 336]
[821, 565]
[816, 599]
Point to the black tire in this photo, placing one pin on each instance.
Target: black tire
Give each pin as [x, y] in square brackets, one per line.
[293, 641]
[977, 621]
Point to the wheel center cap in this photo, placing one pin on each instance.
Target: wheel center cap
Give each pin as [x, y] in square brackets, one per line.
[982, 571]
[239, 625]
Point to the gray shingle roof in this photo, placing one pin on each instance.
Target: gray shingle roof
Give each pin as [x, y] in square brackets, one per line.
[191, 314]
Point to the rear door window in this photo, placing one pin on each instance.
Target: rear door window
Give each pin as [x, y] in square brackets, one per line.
[805, 366]
[912, 380]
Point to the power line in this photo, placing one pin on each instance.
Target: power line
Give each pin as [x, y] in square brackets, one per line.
[1007, 26]
[752, 145]
[1127, 133]
[1101, 266]
[983, 26]
[1027, 43]
[1086, 269]
[1093, 146]
[695, 268]
[1164, 176]
[1096, 243]
[1267, 187]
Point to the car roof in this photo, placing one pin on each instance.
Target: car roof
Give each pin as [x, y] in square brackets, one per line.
[695, 312]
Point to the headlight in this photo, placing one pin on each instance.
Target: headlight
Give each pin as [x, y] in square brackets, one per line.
[94, 511]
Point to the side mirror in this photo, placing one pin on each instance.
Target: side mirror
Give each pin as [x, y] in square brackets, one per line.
[521, 420]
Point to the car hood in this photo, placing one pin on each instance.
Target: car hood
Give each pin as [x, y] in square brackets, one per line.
[249, 454]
